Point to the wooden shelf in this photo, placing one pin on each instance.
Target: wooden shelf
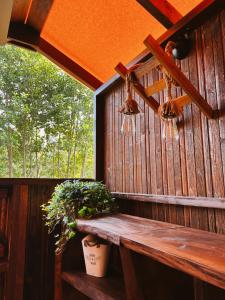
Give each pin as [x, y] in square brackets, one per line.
[107, 288]
[195, 252]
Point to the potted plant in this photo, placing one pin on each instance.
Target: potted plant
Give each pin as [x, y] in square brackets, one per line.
[76, 199]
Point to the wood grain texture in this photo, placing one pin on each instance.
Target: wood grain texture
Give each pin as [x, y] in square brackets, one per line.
[133, 290]
[195, 252]
[108, 288]
[17, 240]
[193, 166]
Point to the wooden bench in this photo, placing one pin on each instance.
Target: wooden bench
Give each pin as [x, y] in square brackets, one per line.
[198, 253]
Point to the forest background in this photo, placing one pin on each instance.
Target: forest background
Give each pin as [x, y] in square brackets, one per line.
[46, 119]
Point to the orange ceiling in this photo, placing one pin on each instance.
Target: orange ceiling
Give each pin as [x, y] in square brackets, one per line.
[99, 34]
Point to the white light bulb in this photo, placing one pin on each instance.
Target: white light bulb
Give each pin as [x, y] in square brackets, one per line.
[128, 127]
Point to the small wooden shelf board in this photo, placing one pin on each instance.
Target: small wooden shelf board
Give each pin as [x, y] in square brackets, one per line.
[195, 252]
[107, 288]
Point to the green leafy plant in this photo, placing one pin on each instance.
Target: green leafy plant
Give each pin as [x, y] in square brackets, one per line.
[72, 200]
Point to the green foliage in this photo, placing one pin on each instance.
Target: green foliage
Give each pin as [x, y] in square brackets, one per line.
[72, 200]
[46, 119]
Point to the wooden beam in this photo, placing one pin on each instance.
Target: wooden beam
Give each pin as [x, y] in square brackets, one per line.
[162, 11]
[176, 73]
[68, 65]
[197, 16]
[26, 36]
[122, 70]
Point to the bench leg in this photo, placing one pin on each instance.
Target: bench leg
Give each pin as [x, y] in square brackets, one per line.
[133, 291]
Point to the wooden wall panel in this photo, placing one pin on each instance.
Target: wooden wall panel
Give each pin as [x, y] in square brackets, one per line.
[194, 166]
[39, 267]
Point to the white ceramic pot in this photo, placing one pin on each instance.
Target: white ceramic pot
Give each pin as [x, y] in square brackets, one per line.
[96, 255]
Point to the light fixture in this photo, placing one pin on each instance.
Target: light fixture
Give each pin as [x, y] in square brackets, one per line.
[129, 110]
[169, 113]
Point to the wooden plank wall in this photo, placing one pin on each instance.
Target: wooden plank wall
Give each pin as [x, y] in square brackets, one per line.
[39, 263]
[39, 257]
[194, 166]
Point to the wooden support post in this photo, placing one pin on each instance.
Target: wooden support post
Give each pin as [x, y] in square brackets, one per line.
[122, 70]
[181, 79]
[133, 291]
[58, 277]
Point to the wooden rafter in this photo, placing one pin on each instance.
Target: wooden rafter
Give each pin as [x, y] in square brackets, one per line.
[122, 71]
[193, 19]
[163, 11]
[68, 65]
[177, 74]
[26, 36]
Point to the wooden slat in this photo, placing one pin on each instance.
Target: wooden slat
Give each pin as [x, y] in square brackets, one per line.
[122, 70]
[18, 213]
[146, 67]
[182, 100]
[162, 11]
[171, 67]
[156, 87]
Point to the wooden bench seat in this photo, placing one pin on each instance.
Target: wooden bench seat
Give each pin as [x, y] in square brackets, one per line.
[195, 252]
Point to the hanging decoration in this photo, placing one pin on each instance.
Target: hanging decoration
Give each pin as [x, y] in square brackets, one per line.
[169, 111]
[129, 109]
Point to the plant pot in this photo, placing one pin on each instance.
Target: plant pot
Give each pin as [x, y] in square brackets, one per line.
[96, 255]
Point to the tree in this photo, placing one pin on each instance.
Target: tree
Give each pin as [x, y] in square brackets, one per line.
[46, 119]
